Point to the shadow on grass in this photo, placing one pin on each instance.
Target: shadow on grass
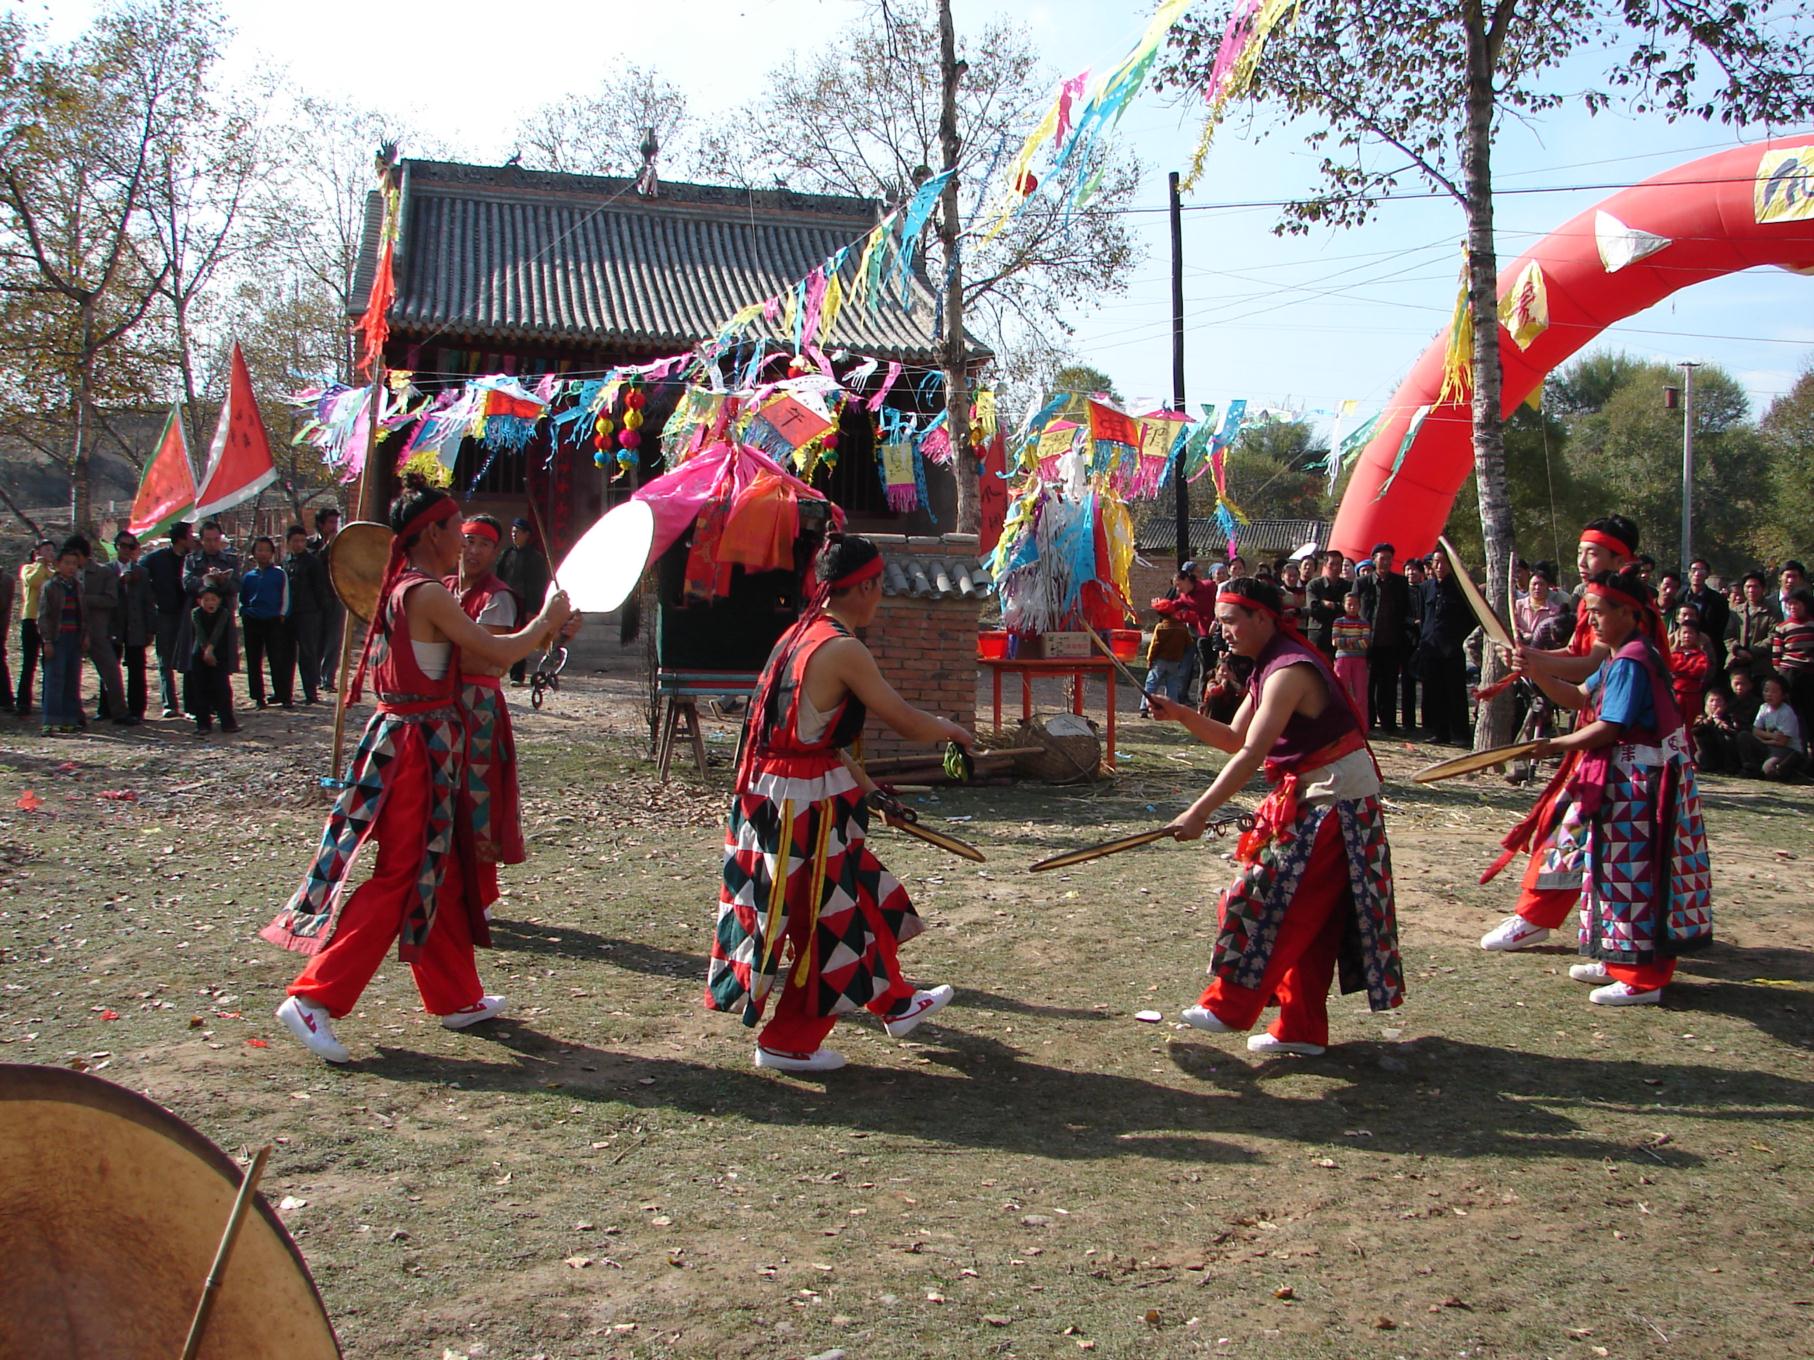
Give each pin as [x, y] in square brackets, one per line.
[566, 942]
[1439, 1098]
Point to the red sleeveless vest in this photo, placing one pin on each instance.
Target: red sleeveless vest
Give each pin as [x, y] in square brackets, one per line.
[397, 681]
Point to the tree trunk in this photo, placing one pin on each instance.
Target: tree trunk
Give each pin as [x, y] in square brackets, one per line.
[80, 493]
[957, 386]
[186, 361]
[1494, 726]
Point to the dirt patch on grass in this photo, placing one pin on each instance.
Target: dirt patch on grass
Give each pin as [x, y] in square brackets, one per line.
[1496, 1169]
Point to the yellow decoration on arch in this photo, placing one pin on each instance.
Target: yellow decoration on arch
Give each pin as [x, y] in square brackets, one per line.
[1785, 185]
[1524, 310]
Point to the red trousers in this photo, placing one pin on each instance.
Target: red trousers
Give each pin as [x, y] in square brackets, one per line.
[794, 1028]
[446, 974]
[1303, 956]
[1642, 977]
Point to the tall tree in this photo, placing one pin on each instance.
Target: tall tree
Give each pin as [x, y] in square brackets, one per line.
[1629, 448]
[1079, 382]
[206, 213]
[1788, 429]
[86, 127]
[603, 133]
[1390, 88]
[873, 128]
[1272, 473]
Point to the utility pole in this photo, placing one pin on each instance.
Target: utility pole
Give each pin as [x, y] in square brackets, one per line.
[957, 386]
[1180, 485]
[1687, 463]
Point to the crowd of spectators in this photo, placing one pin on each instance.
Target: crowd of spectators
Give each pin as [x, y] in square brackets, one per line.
[1741, 654]
[200, 612]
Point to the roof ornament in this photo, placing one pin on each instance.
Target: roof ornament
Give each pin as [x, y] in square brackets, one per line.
[648, 183]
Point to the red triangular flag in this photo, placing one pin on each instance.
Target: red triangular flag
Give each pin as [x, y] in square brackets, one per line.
[239, 460]
[167, 488]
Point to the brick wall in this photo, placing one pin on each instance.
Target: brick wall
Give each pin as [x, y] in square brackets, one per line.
[926, 647]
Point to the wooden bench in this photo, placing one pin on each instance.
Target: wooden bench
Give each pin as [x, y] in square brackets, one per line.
[679, 692]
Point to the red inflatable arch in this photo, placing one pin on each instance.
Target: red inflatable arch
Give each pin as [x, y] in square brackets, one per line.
[1741, 208]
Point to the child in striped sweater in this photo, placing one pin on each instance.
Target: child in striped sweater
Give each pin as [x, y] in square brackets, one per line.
[1350, 634]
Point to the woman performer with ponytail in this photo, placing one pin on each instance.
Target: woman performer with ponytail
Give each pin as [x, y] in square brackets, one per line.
[1633, 803]
[1315, 884]
[403, 791]
[1552, 879]
[801, 891]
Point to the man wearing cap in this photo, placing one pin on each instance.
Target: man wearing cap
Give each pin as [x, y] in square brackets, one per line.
[1551, 887]
[491, 785]
[1314, 889]
[524, 569]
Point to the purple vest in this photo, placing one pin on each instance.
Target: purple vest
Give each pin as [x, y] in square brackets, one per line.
[1303, 736]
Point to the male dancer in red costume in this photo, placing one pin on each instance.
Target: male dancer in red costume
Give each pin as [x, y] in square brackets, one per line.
[492, 800]
[1552, 878]
[798, 872]
[1646, 884]
[403, 791]
[1315, 884]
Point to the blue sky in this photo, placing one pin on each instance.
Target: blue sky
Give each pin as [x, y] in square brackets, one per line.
[1305, 321]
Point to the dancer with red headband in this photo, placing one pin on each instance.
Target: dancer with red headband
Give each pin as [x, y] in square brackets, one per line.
[1629, 772]
[803, 898]
[403, 792]
[1551, 888]
[492, 799]
[1315, 883]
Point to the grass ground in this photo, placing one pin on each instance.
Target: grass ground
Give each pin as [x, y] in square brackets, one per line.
[1496, 1169]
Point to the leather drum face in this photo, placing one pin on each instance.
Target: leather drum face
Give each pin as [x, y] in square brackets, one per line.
[111, 1210]
[356, 562]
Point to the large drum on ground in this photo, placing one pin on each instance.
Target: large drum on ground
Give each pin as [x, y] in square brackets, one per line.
[111, 1209]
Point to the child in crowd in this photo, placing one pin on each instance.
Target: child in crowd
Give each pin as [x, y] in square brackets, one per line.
[1169, 655]
[1716, 735]
[1351, 634]
[1741, 684]
[1688, 661]
[1227, 687]
[208, 694]
[63, 638]
[1776, 749]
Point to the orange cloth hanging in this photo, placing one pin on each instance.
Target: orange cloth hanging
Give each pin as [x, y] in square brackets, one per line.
[763, 524]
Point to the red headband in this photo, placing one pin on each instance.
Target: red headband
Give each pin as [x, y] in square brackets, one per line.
[1227, 596]
[482, 529]
[870, 569]
[1617, 596]
[1607, 541]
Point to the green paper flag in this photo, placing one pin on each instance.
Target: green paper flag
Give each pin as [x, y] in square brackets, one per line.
[167, 488]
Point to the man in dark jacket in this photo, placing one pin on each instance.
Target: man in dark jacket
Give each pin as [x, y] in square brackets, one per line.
[1447, 621]
[100, 601]
[134, 619]
[309, 591]
[1711, 605]
[1325, 595]
[524, 569]
[1386, 604]
[164, 571]
[211, 561]
[333, 614]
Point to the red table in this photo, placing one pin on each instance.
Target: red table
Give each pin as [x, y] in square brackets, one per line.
[1077, 668]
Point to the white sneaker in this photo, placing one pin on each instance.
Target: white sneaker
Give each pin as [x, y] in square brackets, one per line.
[1624, 994]
[820, 1060]
[924, 1005]
[1588, 972]
[1514, 932]
[485, 1008]
[1266, 1043]
[312, 1024]
[1201, 1017]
